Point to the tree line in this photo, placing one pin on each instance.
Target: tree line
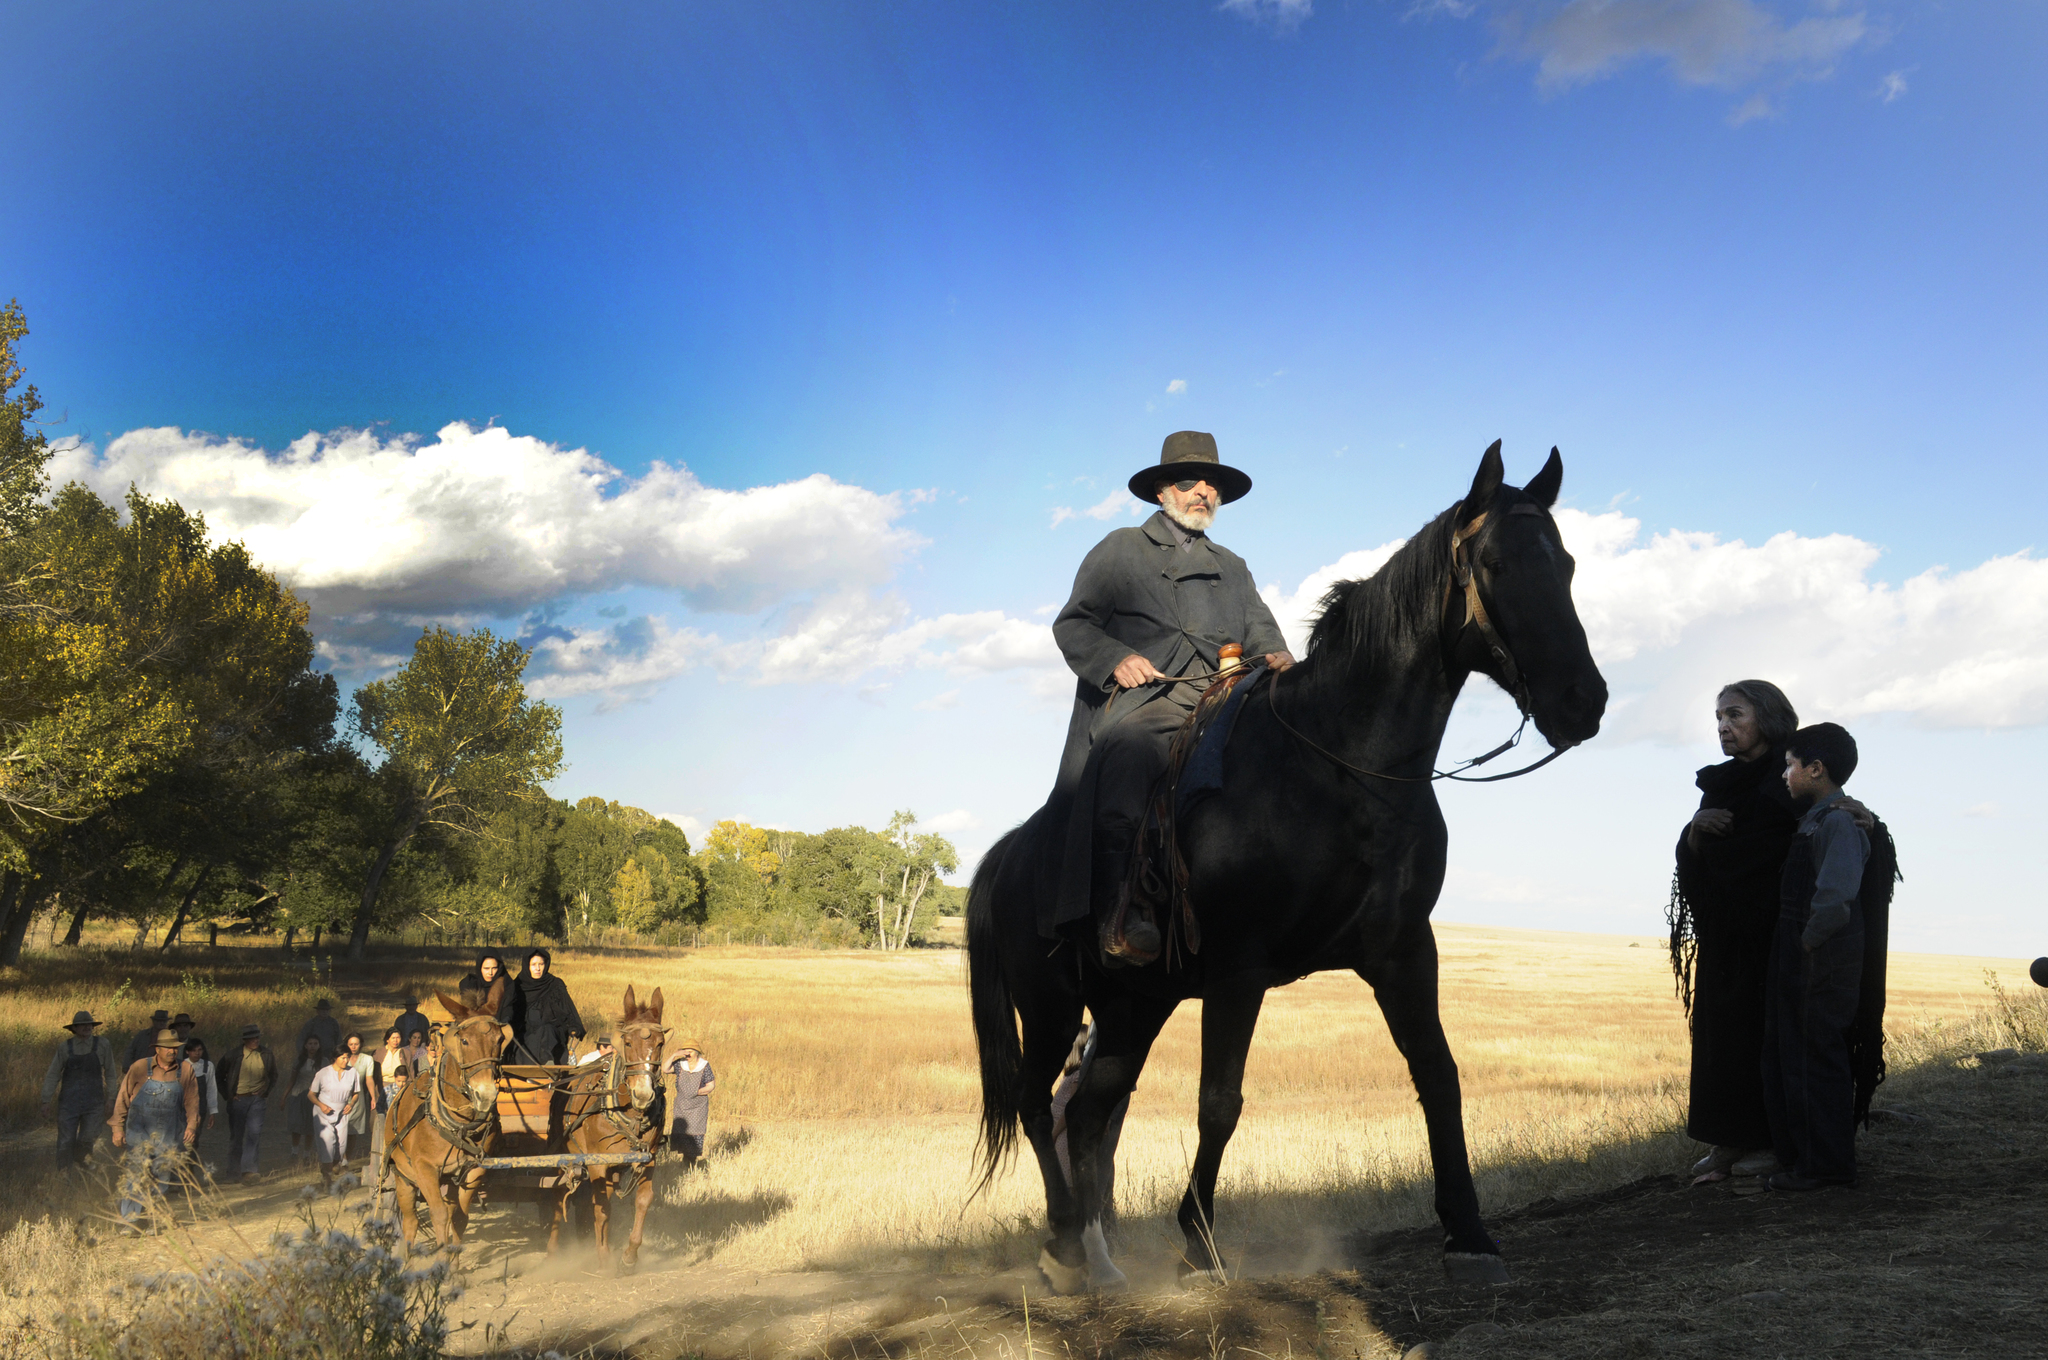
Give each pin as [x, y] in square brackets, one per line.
[168, 754]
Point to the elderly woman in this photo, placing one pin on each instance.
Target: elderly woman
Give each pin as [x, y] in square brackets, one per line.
[1724, 911]
[542, 1015]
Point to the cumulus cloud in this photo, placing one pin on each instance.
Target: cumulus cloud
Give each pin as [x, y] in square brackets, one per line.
[950, 823]
[1118, 502]
[486, 522]
[1673, 616]
[1726, 43]
[1176, 387]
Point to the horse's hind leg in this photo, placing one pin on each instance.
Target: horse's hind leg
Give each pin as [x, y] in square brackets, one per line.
[1405, 987]
[1227, 1024]
[1128, 1025]
[1049, 1031]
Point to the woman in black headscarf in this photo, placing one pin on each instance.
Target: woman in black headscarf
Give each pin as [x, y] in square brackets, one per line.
[476, 984]
[542, 1016]
[1724, 909]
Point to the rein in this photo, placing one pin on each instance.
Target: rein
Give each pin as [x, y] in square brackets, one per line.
[459, 1133]
[619, 1112]
[1516, 683]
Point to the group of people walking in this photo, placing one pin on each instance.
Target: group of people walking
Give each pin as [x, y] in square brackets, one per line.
[1779, 916]
[164, 1090]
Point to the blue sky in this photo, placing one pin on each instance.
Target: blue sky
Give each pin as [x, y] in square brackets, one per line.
[895, 285]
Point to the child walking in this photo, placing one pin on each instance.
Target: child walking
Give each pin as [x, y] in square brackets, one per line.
[1816, 971]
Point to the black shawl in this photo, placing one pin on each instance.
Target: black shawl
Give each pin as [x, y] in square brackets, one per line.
[1728, 889]
[542, 1014]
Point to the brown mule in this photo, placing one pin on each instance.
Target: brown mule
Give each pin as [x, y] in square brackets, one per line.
[444, 1121]
[617, 1107]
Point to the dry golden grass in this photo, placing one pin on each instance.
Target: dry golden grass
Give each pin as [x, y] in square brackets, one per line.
[844, 1118]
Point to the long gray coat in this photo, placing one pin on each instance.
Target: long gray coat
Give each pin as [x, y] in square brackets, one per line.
[1138, 592]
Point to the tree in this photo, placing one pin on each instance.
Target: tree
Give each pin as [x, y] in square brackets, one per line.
[915, 862]
[24, 449]
[148, 677]
[459, 738]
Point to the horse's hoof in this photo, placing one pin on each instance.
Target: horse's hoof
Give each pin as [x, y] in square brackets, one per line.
[1190, 1278]
[1063, 1279]
[1107, 1279]
[1475, 1268]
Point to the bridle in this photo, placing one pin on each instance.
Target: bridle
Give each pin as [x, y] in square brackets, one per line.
[461, 1133]
[1461, 577]
[620, 1113]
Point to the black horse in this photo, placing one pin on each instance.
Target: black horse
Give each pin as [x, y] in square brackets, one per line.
[1324, 849]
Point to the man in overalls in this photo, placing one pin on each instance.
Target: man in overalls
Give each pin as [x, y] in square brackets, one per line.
[156, 1119]
[76, 1087]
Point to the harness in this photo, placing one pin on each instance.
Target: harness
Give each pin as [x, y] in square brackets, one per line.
[1461, 577]
[461, 1133]
[1143, 879]
[626, 1121]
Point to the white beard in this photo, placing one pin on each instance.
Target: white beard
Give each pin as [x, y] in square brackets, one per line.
[1194, 521]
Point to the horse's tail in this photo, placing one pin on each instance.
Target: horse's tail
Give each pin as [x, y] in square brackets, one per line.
[995, 1019]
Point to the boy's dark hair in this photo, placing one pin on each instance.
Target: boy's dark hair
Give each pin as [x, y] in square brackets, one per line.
[1828, 743]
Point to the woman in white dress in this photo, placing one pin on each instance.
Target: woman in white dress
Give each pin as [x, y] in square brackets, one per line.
[364, 1115]
[334, 1094]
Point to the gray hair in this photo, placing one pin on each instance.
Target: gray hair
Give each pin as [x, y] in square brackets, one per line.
[1776, 719]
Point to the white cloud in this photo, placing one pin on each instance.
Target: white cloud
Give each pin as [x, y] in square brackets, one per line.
[1892, 87]
[692, 827]
[1284, 15]
[485, 522]
[950, 823]
[1725, 43]
[1673, 617]
[1118, 502]
[939, 702]
[1176, 387]
[1981, 810]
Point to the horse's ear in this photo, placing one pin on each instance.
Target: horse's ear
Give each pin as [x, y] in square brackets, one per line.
[632, 1006]
[456, 1010]
[1485, 483]
[654, 1005]
[494, 997]
[1542, 488]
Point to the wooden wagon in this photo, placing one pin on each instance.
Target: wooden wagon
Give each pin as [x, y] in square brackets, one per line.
[526, 1162]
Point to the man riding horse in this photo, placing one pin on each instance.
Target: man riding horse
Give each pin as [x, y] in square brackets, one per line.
[1151, 604]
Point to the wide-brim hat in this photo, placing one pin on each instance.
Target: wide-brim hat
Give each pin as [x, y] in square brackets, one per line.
[1189, 453]
[252, 1032]
[84, 1018]
[168, 1038]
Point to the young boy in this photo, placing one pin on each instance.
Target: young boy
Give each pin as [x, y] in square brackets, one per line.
[1816, 970]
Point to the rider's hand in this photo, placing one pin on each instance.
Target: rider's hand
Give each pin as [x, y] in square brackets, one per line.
[1713, 822]
[1279, 661]
[1135, 670]
[1863, 816]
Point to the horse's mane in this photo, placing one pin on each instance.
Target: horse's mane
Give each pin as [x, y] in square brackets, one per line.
[1383, 615]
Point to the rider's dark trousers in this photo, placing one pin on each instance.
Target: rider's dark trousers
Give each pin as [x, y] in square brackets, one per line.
[245, 1131]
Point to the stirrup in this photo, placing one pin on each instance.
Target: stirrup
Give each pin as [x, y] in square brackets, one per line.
[1122, 945]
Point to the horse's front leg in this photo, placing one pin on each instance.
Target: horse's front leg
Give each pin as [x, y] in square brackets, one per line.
[439, 1213]
[407, 1201]
[1228, 1020]
[1126, 1028]
[562, 1198]
[601, 1216]
[643, 1200]
[466, 1191]
[1405, 985]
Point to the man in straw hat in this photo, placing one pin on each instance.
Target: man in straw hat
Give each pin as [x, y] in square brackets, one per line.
[156, 1119]
[76, 1086]
[1150, 604]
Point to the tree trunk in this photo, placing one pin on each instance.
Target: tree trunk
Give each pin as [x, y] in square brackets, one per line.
[185, 909]
[27, 901]
[12, 893]
[316, 939]
[359, 938]
[289, 933]
[212, 934]
[77, 931]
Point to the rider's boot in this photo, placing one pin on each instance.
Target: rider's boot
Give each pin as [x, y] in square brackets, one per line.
[1128, 935]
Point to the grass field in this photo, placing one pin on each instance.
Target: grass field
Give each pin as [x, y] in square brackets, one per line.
[844, 1115]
